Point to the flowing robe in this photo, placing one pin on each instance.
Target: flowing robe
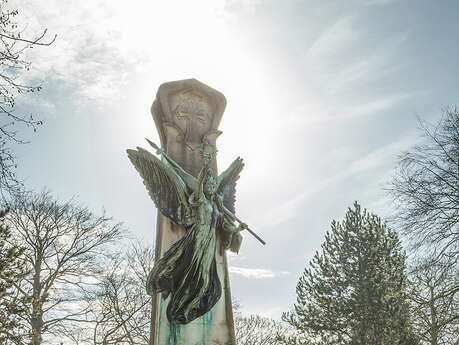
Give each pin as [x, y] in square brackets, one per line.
[187, 271]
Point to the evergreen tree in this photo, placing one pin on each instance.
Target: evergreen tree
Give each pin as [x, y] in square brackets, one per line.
[11, 272]
[354, 292]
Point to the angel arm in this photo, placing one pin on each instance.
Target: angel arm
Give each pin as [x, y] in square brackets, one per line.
[231, 237]
[228, 223]
[189, 179]
[198, 194]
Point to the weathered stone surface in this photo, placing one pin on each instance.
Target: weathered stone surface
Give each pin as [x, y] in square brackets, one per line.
[187, 113]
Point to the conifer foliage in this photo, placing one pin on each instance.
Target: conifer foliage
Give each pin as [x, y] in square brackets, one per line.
[12, 270]
[354, 291]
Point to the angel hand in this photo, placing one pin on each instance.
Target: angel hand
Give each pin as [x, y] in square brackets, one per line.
[243, 226]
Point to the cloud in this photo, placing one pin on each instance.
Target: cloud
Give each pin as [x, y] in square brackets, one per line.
[256, 273]
[337, 37]
[101, 44]
[377, 105]
[342, 59]
[374, 163]
[314, 114]
[88, 56]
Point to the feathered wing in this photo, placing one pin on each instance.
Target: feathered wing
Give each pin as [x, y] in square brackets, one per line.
[189, 180]
[165, 187]
[227, 184]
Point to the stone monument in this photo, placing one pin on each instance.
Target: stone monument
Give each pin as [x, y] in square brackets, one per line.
[196, 223]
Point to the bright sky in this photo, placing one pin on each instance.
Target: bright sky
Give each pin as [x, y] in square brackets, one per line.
[321, 95]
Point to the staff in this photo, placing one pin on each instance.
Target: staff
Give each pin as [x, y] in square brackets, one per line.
[231, 215]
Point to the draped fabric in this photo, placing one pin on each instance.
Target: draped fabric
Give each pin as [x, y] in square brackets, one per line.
[187, 272]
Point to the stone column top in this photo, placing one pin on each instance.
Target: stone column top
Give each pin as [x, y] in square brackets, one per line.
[187, 112]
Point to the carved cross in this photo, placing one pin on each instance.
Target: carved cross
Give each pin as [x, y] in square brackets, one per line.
[189, 119]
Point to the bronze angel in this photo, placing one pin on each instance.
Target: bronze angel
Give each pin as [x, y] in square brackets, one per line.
[187, 272]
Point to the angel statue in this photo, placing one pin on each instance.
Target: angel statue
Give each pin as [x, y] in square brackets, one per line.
[187, 272]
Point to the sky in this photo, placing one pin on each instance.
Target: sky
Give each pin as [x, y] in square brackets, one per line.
[321, 98]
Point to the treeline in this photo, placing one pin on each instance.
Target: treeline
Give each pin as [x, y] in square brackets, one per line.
[363, 287]
[64, 278]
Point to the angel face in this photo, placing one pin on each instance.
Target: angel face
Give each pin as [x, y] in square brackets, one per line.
[210, 185]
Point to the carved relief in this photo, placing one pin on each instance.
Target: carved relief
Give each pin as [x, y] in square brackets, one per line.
[192, 114]
[190, 111]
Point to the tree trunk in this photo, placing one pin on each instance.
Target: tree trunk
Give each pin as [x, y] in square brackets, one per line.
[433, 319]
[36, 320]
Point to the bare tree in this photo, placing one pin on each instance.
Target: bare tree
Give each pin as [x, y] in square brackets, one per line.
[13, 68]
[436, 303]
[63, 244]
[120, 307]
[425, 189]
[258, 330]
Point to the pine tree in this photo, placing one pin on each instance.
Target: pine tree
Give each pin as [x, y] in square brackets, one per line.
[354, 291]
[12, 270]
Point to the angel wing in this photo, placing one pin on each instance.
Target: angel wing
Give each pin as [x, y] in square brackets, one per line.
[227, 183]
[190, 181]
[164, 185]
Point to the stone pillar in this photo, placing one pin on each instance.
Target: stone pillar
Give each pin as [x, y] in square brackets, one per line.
[188, 113]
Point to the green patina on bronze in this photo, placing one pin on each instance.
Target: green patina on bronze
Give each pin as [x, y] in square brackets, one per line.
[173, 330]
[207, 324]
[187, 272]
[173, 337]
